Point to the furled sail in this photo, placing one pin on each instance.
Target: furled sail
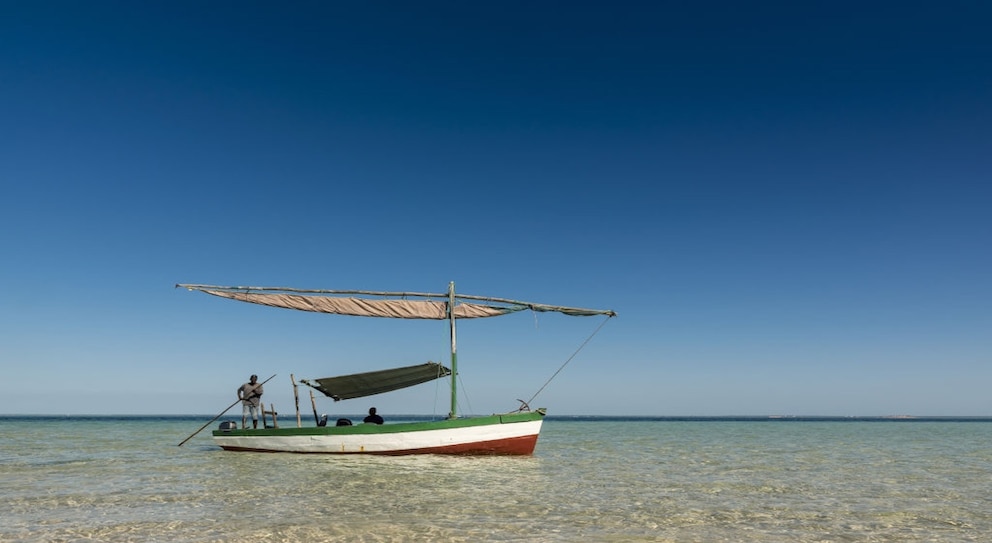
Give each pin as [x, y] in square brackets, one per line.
[396, 305]
[363, 307]
[359, 385]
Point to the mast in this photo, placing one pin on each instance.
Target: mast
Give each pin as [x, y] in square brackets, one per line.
[454, 351]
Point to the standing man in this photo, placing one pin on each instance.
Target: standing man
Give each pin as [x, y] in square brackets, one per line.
[250, 395]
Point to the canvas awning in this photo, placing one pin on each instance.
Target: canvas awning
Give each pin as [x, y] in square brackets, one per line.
[359, 385]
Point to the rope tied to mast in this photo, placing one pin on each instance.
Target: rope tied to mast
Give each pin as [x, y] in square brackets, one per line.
[546, 383]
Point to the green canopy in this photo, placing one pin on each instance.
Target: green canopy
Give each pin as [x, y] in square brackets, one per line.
[359, 385]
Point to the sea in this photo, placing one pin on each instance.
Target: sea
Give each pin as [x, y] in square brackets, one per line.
[609, 479]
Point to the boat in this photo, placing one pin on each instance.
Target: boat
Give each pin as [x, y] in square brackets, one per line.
[514, 433]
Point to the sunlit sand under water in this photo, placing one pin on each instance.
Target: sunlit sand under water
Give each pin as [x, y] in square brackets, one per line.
[589, 480]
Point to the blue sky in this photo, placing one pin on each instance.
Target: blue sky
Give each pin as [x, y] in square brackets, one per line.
[785, 202]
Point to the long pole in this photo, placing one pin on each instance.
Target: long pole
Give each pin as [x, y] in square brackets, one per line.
[219, 415]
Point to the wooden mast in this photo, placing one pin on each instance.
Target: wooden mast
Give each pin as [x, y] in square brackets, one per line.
[454, 351]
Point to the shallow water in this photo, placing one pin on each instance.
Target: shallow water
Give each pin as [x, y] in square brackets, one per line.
[107, 479]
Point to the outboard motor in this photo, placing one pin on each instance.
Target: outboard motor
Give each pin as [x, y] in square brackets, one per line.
[228, 425]
[323, 420]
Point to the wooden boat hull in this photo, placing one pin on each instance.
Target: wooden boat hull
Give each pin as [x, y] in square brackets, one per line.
[510, 434]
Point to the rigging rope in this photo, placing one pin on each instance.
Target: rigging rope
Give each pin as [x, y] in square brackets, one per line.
[461, 388]
[596, 331]
[464, 391]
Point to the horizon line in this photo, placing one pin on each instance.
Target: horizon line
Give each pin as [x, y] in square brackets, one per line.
[547, 417]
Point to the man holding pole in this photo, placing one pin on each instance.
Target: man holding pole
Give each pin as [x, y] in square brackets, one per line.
[250, 395]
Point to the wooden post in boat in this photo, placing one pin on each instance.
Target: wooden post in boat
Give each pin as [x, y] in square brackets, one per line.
[296, 396]
[313, 402]
[271, 411]
[261, 407]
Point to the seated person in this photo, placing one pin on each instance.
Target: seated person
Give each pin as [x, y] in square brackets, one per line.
[373, 418]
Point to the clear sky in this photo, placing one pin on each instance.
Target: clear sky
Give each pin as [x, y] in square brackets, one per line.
[787, 203]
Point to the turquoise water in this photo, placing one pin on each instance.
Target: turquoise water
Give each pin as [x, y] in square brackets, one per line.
[106, 479]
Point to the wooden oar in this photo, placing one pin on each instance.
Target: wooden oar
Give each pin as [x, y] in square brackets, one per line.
[219, 415]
